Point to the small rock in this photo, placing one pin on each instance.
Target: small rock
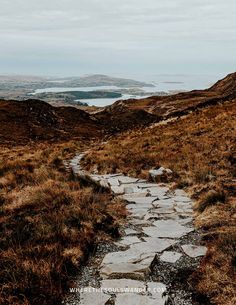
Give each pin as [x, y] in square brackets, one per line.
[154, 173]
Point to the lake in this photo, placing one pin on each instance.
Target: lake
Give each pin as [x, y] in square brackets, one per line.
[163, 82]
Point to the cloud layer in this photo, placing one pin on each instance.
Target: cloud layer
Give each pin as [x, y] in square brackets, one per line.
[126, 36]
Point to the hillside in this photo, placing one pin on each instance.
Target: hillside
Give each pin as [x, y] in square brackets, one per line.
[34, 120]
[64, 216]
[197, 142]
[182, 103]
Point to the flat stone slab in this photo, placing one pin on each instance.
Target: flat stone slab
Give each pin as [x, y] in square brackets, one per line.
[194, 251]
[150, 216]
[91, 296]
[129, 232]
[182, 199]
[95, 178]
[117, 190]
[168, 202]
[141, 200]
[145, 185]
[133, 206]
[170, 257]
[130, 189]
[139, 194]
[167, 228]
[126, 179]
[179, 192]
[122, 286]
[137, 271]
[114, 181]
[185, 220]
[128, 240]
[104, 183]
[140, 222]
[164, 210]
[138, 252]
[139, 213]
[108, 176]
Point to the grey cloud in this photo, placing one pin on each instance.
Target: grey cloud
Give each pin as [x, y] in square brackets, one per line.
[127, 31]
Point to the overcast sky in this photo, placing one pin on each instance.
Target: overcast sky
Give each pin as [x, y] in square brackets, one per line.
[133, 37]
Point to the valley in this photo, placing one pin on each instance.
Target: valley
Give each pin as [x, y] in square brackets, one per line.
[63, 213]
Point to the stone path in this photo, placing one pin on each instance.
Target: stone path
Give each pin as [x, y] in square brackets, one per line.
[156, 234]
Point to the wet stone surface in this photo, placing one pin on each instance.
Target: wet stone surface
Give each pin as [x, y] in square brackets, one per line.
[157, 253]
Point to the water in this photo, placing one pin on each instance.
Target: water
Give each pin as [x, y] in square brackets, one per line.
[68, 89]
[161, 82]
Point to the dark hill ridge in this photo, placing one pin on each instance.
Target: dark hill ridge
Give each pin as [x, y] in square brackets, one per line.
[124, 118]
[225, 85]
[35, 120]
[182, 103]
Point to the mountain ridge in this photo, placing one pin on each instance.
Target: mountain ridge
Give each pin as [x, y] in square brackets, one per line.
[35, 120]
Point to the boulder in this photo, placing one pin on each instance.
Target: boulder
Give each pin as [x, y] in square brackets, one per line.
[160, 174]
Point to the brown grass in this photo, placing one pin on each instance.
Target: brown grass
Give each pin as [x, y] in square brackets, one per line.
[50, 222]
[200, 149]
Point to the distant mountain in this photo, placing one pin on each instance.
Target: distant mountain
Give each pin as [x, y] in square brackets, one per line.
[101, 80]
[20, 87]
[92, 80]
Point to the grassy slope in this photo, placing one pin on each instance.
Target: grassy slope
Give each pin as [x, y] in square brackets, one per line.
[200, 149]
[49, 222]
